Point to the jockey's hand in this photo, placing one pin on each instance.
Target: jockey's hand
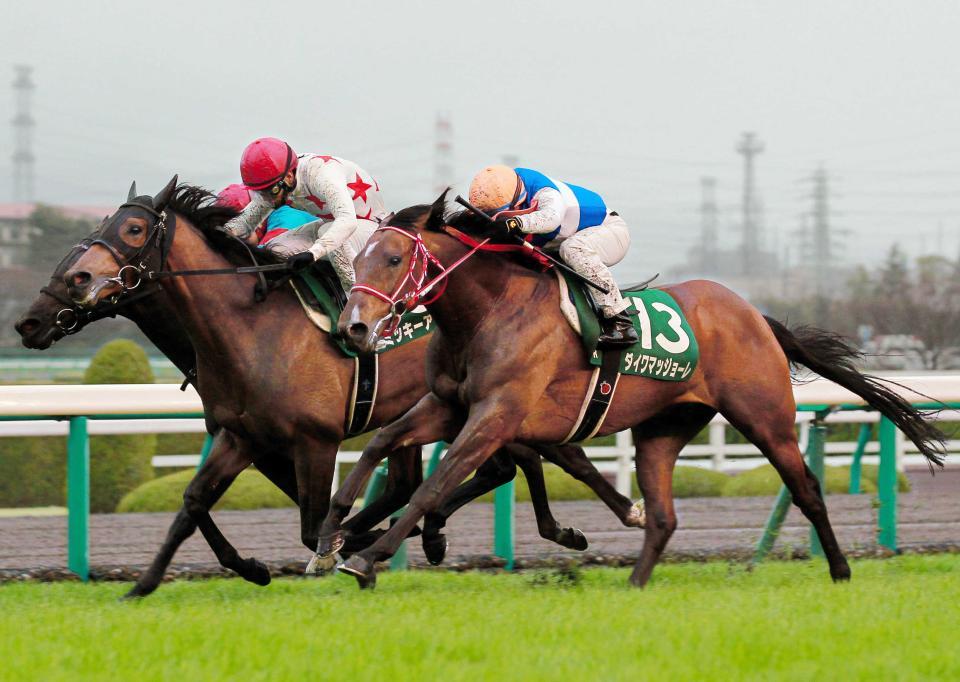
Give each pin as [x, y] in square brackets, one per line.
[300, 260]
[510, 226]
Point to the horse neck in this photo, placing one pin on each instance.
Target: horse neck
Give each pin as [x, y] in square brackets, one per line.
[473, 290]
[158, 321]
[217, 312]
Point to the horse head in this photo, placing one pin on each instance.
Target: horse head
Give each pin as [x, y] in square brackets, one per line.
[120, 249]
[391, 272]
[52, 315]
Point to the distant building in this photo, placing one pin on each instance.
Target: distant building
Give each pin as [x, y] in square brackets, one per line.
[16, 230]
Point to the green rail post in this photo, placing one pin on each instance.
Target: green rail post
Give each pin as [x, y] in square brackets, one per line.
[887, 485]
[435, 458]
[774, 523]
[375, 486]
[503, 503]
[78, 498]
[205, 452]
[815, 447]
[856, 465]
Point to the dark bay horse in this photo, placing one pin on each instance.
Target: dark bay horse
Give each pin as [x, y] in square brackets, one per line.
[505, 366]
[307, 404]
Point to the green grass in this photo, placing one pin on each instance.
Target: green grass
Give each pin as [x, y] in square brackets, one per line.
[897, 620]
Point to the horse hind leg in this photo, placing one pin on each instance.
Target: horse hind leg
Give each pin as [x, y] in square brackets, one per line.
[777, 440]
[528, 460]
[574, 461]
[658, 443]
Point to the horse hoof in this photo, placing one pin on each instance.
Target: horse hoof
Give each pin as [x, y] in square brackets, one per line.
[361, 569]
[330, 544]
[841, 574]
[637, 516]
[435, 548]
[256, 572]
[138, 591]
[321, 565]
[572, 538]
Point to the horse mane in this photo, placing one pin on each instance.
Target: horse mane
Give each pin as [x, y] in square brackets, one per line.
[466, 221]
[200, 207]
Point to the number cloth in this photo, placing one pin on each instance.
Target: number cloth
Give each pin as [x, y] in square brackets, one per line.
[667, 349]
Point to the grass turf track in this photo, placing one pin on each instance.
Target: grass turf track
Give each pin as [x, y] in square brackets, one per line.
[899, 619]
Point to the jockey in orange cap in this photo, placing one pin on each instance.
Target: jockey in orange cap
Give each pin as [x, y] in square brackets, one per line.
[570, 219]
[346, 200]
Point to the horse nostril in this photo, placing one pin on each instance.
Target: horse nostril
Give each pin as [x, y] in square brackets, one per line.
[357, 330]
[26, 326]
[81, 279]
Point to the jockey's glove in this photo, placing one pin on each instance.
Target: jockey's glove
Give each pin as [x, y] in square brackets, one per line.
[300, 260]
[510, 226]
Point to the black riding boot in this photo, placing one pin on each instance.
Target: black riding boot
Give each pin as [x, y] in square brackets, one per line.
[617, 332]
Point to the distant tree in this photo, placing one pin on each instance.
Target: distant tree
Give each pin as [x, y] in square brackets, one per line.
[54, 234]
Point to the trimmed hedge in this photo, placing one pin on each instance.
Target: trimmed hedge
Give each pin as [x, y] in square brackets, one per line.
[764, 480]
[251, 490]
[33, 472]
[118, 464]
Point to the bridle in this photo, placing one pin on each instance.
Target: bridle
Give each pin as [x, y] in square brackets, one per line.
[135, 268]
[71, 318]
[135, 265]
[416, 277]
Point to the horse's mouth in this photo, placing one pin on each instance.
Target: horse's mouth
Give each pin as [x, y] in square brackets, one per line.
[42, 339]
[89, 296]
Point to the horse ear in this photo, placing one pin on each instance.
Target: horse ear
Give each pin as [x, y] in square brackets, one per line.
[160, 201]
[437, 210]
[132, 194]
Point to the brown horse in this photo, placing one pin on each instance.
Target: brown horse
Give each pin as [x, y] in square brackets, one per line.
[505, 366]
[265, 431]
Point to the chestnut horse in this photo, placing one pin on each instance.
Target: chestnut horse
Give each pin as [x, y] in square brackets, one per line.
[504, 365]
[260, 435]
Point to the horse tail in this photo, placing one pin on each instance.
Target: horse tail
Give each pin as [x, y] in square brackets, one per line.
[832, 357]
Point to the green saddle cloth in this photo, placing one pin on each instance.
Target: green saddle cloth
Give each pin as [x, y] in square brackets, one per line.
[318, 292]
[667, 349]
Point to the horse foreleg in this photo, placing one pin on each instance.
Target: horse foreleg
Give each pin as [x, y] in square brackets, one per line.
[573, 460]
[227, 459]
[279, 471]
[314, 460]
[493, 473]
[404, 474]
[482, 435]
[428, 421]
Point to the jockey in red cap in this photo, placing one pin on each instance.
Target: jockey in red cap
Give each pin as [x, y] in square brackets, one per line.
[345, 199]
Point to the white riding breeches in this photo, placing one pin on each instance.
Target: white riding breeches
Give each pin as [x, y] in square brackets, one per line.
[302, 238]
[591, 250]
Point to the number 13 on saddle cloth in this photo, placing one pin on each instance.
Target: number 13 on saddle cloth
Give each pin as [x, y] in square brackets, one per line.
[667, 349]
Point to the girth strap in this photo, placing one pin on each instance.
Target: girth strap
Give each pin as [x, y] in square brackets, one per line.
[364, 395]
[596, 403]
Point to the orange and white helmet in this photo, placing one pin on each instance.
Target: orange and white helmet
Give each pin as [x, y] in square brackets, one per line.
[497, 188]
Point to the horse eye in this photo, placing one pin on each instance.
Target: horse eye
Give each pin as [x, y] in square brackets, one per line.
[135, 229]
[395, 260]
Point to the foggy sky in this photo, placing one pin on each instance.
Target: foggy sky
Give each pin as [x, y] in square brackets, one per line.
[636, 100]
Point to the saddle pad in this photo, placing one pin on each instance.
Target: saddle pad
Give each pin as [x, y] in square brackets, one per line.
[667, 350]
[323, 309]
